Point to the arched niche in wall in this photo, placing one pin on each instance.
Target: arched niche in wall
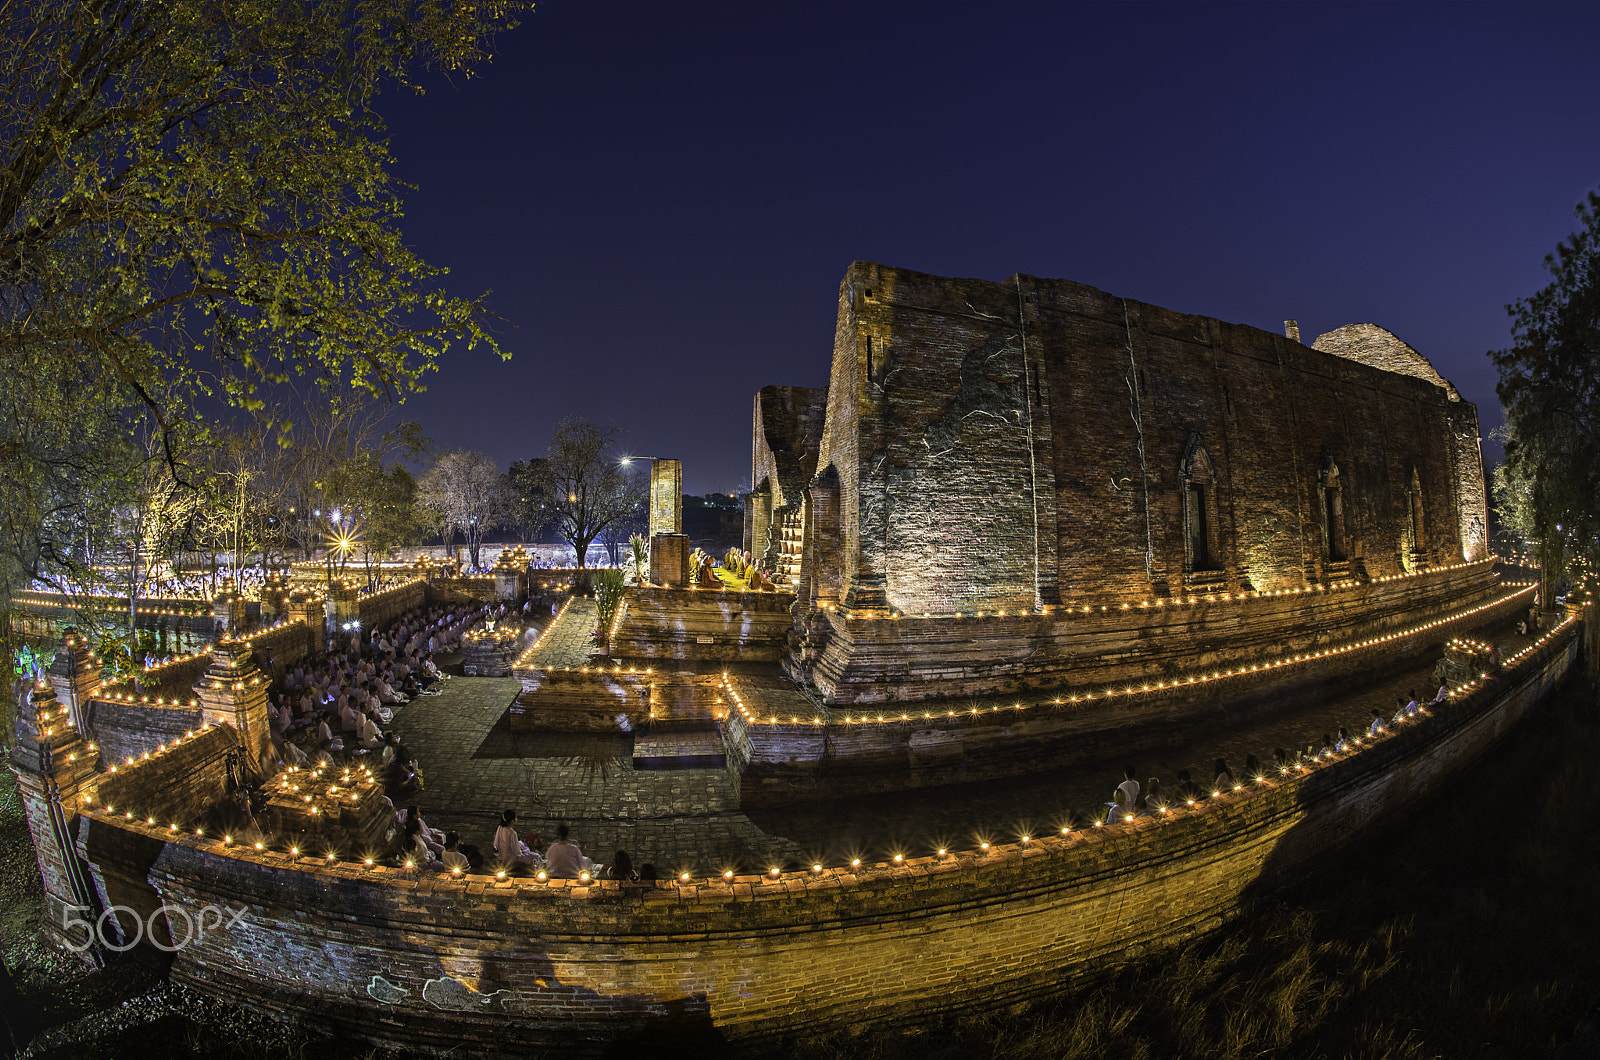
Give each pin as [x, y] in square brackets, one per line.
[1202, 552]
[1330, 512]
[1414, 532]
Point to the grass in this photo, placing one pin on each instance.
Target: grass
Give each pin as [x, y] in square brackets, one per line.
[1467, 929]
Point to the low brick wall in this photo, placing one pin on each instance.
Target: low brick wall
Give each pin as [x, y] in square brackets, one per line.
[876, 658]
[584, 700]
[381, 608]
[893, 747]
[517, 966]
[702, 624]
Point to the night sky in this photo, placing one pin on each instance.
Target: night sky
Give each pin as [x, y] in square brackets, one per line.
[664, 197]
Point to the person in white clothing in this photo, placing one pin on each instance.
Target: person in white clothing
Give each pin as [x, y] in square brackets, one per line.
[1130, 788]
[509, 847]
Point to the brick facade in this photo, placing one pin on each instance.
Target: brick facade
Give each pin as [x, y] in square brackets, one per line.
[1036, 444]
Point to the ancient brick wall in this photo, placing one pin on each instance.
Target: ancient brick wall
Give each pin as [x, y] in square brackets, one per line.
[786, 438]
[705, 624]
[875, 658]
[514, 966]
[179, 781]
[381, 608]
[998, 443]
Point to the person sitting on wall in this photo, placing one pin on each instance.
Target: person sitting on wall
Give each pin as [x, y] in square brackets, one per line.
[1130, 789]
[621, 868]
[1343, 744]
[564, 860]
[1442, 694]
[1326, 750]
[1412, 706]
[1378, 726]
[1188, 790]
[1252, 767]
[415, 850]
[1280, 759]
[510, 848]
[453, 859]
[1401, 713]
[1154, 800]
[1118, 810]
[1224, 781]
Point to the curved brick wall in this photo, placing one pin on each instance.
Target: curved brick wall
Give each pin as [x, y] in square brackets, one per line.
[445, 962]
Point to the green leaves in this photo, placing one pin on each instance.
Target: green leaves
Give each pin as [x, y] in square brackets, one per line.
[1550, 387]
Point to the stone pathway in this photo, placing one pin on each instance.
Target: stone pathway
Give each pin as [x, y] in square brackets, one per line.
[680, 820]
[566, 642]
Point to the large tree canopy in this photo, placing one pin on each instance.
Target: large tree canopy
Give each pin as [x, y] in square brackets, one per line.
[587, 488]
[1548, 490]
[196, 208]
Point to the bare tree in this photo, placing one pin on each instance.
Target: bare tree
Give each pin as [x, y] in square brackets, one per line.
[469, 493]
[588, 489]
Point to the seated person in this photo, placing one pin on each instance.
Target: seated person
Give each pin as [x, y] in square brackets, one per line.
[1224, 781]
[621, 868]
[510, 848]
[564, 861]
[1154, 800]
[452, 857]
[414, 848]
[1378, 724]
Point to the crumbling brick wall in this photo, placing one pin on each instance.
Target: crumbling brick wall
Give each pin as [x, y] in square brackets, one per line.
[1003, 445]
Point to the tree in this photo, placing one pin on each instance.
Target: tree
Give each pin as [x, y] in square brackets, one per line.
[588, 490]
[468, 493]
[533, 507]
[195, 206]
[1549, 487]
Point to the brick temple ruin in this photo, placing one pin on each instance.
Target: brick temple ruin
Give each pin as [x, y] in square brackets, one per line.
[1028, 524]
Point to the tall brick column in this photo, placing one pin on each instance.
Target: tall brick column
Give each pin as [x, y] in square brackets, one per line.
[233, 691]
[666, 497]
[56, 780]
[75, 677]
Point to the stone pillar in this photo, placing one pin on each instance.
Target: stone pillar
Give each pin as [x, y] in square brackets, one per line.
[508, 584]
[231, 613]
[307, 607]
[666, 497]
[342, 608]
[669, 560]
[233, 691]
[56, 780]
[75, 677]
[274, 599]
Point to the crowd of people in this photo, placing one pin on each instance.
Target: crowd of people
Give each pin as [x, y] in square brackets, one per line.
[341, 705]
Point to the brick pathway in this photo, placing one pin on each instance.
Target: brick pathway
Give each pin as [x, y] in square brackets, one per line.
[681, 820]
[567, 643]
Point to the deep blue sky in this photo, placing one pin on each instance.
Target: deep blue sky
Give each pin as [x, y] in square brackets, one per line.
[663, 197]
